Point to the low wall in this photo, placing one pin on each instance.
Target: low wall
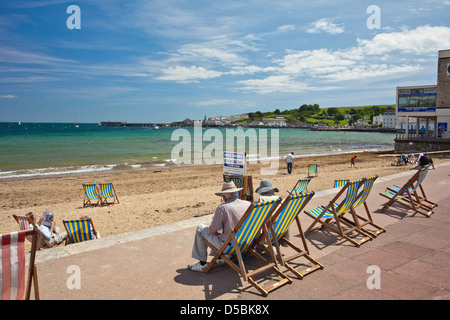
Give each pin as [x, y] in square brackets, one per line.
[421, 145]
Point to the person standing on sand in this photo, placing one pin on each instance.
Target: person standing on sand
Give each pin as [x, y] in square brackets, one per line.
[289, 162]
[225, 218]
[352, 162]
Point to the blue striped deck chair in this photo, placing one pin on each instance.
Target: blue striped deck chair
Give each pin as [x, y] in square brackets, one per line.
[332, 214]
[241, 241]
[362, 222]
[282, 221]
[300, 186]
[312, 170]
[80, 230]
[91, 194]
[244, 182]
[408, 196]
[107, 191]
[340, 183]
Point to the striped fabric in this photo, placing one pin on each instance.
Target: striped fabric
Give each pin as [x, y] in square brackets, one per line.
[252, 224]
[312, 170]
[106, 190]
[12, 266]
[91, 191]
[288, 214]
[368, 184]
[419, 181]
[340, 183]
[302, 184]
[79, 230]
[350, 197]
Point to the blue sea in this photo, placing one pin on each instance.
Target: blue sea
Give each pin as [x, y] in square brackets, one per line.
[45, 149]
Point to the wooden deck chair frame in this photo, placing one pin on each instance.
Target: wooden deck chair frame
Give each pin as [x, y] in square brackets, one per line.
[313, 170]
[300, 187]
[282, 220]
[15, 284]
[361, 221]
[242, 241]
[91, 192]
[332, 214]
[107, 191]
[244, 182]
[79, 230]
[407, 195]
[24, 223]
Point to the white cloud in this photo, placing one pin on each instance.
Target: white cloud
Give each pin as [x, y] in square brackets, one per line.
[8, 96]
[325, 25]
[191, 74]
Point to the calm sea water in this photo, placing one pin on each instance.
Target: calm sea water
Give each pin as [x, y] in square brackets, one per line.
[32, 149]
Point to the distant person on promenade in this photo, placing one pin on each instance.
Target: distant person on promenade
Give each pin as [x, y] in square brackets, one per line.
[47, 225]
[352, 162]
[225, 218]
[289, 158]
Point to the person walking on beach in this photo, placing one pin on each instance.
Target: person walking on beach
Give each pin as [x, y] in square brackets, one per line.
[352, 162]
[289, 162]
[225, 218]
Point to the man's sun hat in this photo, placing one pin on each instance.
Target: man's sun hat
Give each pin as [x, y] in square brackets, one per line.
[228, 187]
[265, 186]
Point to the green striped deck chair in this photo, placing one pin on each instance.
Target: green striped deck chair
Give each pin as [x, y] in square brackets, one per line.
[331, 215]
[91, 194]
[244, 182]
[408, 195]
[80, 230]
[282, 221]
[107, 191]
[312, 170]
[242, 241]
[362, 222]
[340, 183]
[300, 186]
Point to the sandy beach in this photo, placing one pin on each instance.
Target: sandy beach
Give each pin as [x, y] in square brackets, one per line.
[153, 197]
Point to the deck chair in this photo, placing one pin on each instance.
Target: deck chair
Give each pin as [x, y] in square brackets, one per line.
[80, 230]
[91, 194]
[300, 186]
[340, 183]
[408, 196]
[244, 182]
[362, 222]
[242, 241]
[331, 215]
[107, 191]
[312, 170]
[282, 220]
[24, 224]
[12, 266]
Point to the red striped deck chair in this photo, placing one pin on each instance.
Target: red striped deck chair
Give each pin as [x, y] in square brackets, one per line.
[300, 186]
[24, 224]
[241, 242]
[12, 266]
[107, 191]
[91, 194]
[331, 215]
[244, 182]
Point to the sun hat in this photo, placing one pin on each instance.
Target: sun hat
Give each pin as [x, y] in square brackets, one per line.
[228, 187]
[265, 186]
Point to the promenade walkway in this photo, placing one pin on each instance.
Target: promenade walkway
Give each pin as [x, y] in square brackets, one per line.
[413, 258]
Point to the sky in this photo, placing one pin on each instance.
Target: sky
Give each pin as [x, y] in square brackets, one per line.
[164, 61]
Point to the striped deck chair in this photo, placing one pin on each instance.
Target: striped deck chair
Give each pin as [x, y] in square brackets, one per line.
[244, 182]
[282, 220]
[107, 191]
[300, 186]
[242, 241]
[80, 230]
[332, 214]
[91, 194]
[408, 196]
[12, 266]
[24, 224]
[340, 183]
[362, 222]
[312, 170]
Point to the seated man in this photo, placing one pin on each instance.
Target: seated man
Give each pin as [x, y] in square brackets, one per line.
[225, 218]
[47, 226]
[424, 159]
